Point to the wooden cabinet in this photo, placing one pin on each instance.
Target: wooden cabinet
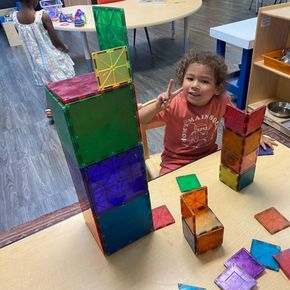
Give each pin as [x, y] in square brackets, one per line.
[269, 84]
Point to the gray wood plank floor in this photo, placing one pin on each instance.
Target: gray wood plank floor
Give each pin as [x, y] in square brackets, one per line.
[34, 179]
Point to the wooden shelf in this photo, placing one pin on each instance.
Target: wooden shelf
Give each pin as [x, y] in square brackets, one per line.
[260, 63]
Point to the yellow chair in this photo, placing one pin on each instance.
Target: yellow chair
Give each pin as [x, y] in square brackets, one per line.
[152, 161]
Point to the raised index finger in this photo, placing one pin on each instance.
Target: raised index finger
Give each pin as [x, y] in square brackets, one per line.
[169, 87]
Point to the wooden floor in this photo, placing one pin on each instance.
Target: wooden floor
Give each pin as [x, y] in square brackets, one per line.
[34, 179]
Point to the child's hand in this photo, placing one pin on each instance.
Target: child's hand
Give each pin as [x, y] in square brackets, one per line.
[64, 48]
[265, 140]
[164, 99]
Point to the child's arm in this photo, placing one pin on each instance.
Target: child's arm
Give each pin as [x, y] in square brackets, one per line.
[147, 113]
[47, 23]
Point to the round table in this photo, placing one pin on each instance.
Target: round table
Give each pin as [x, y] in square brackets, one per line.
[138, 14]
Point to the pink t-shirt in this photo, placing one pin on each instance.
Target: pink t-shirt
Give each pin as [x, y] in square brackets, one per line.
[190, 131]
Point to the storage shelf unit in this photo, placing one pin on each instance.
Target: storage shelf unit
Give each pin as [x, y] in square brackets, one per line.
[268, 84]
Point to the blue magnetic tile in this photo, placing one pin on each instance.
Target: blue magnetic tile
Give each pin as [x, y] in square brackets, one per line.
[268, 151]
[115, 180]
[188, 287]
[264, 252]
[125, 224]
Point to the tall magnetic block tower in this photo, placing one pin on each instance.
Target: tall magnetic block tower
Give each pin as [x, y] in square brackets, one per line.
[240, 143]
[96, 119]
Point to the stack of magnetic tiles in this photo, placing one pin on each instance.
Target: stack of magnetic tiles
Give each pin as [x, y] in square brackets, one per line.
[240, 143]
[97, 122]
[201, 228]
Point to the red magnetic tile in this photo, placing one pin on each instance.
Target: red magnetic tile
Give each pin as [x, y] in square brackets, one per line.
[161, 217]
[272, 220]
[283, 259]
[71, 90]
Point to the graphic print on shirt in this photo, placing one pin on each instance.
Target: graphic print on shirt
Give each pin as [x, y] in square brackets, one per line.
[198, 131]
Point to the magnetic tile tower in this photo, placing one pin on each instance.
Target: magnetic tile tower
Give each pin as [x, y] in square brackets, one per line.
[201, 228]
[97, 123]
[240, 143]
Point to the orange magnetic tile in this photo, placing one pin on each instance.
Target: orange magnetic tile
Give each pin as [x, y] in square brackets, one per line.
[238, 163]
[196, 199]
[161, 217]
[272, 220]
[241, 145]
[206, 221]
[209, 240]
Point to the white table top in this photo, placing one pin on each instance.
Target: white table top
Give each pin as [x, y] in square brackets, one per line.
[137, 14]
[241, 34]
[66, 256]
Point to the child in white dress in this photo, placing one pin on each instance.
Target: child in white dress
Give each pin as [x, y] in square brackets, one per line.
[46, 53]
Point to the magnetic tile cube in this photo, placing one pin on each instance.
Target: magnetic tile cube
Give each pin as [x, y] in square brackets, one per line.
[201, 228]
[112, 67]
[246, 262]
[244, 123]
[238, 163]
[234, 278]
[234, 180]
[110, 26]
[97, 127]
[283, 259]
[188, 182]
[111, 182]
[241, 145]
[264, 253]
[203, 242]
[125, 224]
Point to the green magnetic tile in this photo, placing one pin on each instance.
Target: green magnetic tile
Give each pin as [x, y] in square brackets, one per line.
[93, 129]
[188, 182]
[246, 178]
[110, 26]
[112, 67]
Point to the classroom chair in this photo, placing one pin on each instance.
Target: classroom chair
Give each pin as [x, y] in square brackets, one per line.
[152, 161]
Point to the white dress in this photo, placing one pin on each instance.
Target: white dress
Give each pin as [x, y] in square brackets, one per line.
[48, 64]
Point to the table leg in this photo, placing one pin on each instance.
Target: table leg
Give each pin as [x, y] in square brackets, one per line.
[243, 82]
[220, 47]
[172, 30]
[186, 35]
[86, 45]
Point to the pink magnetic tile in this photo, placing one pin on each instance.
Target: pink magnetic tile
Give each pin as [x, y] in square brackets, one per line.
[283, 259]
[234, 278]
[161, 217]
[272, 220]
[71, 90]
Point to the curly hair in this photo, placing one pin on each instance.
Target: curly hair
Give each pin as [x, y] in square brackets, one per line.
[212, 60]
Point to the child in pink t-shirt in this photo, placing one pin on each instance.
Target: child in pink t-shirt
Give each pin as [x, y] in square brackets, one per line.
[193, 112]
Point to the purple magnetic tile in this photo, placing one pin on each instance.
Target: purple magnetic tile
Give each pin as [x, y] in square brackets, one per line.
[263, 252]
[268, 151]
[234, 278]
[246, 262]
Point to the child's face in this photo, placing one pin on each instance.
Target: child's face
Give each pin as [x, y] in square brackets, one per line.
[199, 84]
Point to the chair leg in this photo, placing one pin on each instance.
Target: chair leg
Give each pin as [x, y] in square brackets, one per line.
[134, 40]
[251, 4]
[148, 40]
